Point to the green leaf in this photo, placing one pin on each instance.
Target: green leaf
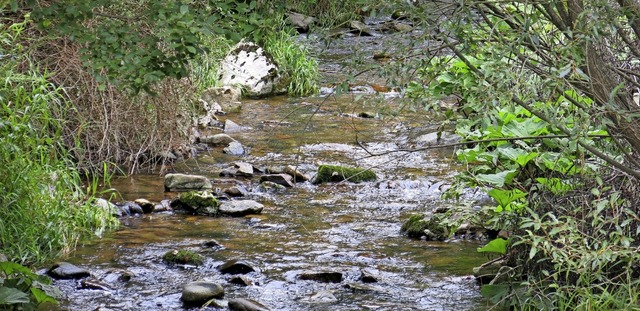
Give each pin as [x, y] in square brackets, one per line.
[496, 293]
[184, 9]
[506, 197]
[10, 296]
[498, 179]
[498, 245]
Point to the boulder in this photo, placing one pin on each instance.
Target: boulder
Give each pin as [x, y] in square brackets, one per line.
[234, 148]
[232, 127]
[240, 280]
[368, 276]
[182, 182]
[251, 68]
[297, 175]
[242, 304]
[240, 208]
[236, 191]
[197, 202]
[201, 292]
[236, 267]
[146, 205]
[65, 270]
[217, 140]
[300, 21]
[431, 228]
[244, 169]
[321, 276]
[280, 179]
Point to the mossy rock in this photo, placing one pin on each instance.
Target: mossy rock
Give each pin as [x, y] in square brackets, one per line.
[199, 202]
[336, 173]
[185, 257]
[431, 228]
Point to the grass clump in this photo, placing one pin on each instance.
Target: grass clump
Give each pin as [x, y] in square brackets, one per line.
[299, 70]
[336, 173]
[43, 205]
[184, 257]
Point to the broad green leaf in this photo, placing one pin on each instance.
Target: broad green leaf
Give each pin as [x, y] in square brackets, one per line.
[10, 296]
[506, 197]
[496, 293]
[498, 245]
[498, 179]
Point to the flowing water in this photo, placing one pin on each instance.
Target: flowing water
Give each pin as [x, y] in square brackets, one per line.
[342, 227]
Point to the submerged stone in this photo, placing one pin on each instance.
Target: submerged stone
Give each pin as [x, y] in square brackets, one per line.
[336, 173]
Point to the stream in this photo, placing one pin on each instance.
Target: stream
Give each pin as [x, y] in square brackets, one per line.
[344, 227]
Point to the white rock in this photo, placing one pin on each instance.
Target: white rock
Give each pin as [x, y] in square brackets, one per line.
[251, 68]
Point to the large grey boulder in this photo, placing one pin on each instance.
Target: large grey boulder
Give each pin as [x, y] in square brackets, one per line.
[201, 291]
[251, 68]
[183, 182]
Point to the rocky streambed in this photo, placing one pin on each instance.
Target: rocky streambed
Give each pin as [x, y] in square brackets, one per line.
[334, 245]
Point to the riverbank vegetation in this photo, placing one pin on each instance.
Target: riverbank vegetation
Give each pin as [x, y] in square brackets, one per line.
[545, 102]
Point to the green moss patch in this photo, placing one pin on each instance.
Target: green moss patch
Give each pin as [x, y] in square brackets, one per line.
[199, 202]
[336, 173]
[432, 228]
[184, 257]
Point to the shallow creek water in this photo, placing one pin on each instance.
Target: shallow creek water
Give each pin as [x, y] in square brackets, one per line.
[343, 227]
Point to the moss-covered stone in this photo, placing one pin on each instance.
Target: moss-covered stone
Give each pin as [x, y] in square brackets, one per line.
[335, 173]
[185, 257]
[432, 228]
[199, 202]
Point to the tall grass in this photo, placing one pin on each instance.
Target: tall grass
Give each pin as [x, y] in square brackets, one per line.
[43, 207]
[299, 68]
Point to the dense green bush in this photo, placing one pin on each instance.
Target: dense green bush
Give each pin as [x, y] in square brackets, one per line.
[44, 210]
[545, 108]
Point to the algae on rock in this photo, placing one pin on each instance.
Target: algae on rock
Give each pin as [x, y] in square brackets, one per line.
[185, 257]
[432, 228]
[198, 202]
[336, 173]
